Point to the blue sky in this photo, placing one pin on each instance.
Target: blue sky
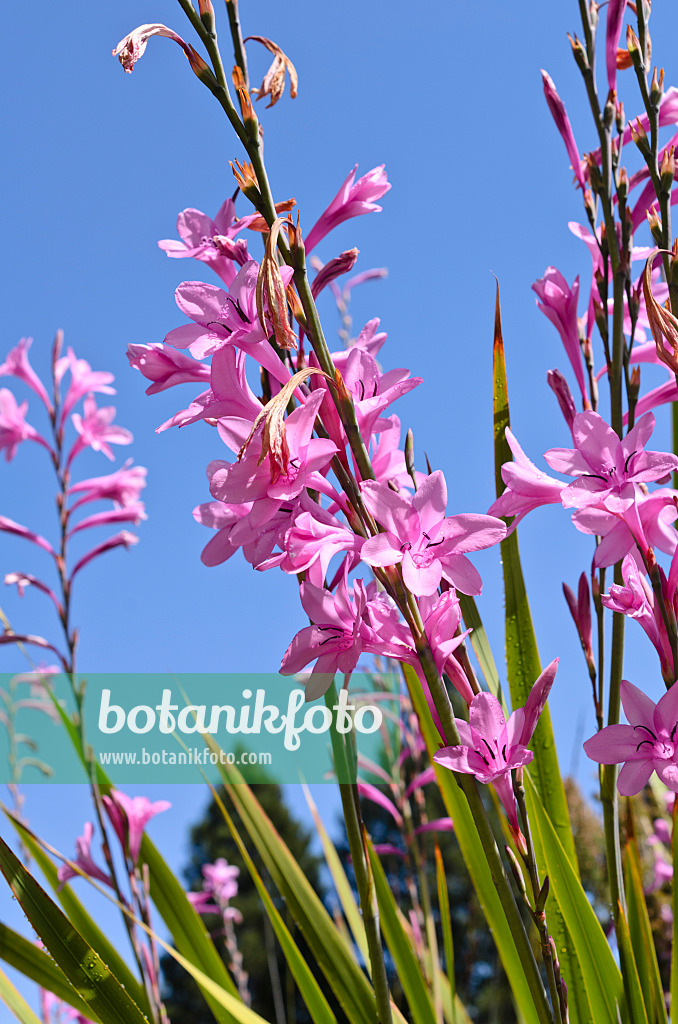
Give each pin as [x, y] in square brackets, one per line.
[98, 164]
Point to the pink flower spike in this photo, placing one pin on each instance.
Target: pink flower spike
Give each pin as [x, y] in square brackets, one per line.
[165, 366]
[17, 364]
[647, 744]
[559, 115]
[96, 430]
[13, 426]
[84, 860]
[615, 17]
[352, 200]
[129, 816]
[9, 526]
[123, 539]
[122, 487]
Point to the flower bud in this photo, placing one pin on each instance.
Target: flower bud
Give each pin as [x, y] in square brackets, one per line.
[610, 109]
[595, 177]
[639, 136]
[655, 225]
[657, 88]
[667, 171]
[206, 12]
[516, 870]
[619, 117]
[633, 46]
[622, 184]
[579, 53]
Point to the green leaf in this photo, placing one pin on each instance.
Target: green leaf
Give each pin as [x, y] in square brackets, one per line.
[341, 882]
[635, 1004]
[522, 657]
[31, 961]
[81, 920]
[446, 925]
[337, 962]
[15, 1002]
[400, 947]
[84, 968]
[599, 973]
[311, 993]
[474, 856]
[640, 933]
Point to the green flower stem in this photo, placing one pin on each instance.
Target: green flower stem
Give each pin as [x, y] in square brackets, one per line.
[355, 831]
[236, 36]
[538, 915]
[608, 773]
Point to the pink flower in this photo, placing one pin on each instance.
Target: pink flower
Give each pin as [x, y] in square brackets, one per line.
[559, 115]
[122, 487]
[251, 479]
[129, 816]
[340, 634]
[165, 367]
[211, 241]
[647, 744]
[83, 380]
[636, 599]
[17, 365]
[83, 849]
[221, 879]
[527, 487]
[353, 199]
[491, 747]
[580, 610]
[442, 618]
[615, 17]
[226, 318]
[429, 544]
[13, 426]
[605, 466]
[132, 47]
[96, 430]
[559, 303]
[648, 527]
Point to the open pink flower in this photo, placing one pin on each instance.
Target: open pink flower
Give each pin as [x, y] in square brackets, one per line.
[165, 367]
[83, 380]
[129, 817]
[353, 199]
[97, 431]
[226, 318]
[527, 487]
[648, 744]
[13, 425]
[605, 466]
[17, 364]
[491, 747]
[211, 241]
[429, 544]
[122, 487]
[84, 859]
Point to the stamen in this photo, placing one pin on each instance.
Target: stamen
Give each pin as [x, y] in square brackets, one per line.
[236, 306]
[492, 753]
[647, 729]
[641, 743]
[626, 464]
[362, 390]
[593, 476]
[229, 329]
